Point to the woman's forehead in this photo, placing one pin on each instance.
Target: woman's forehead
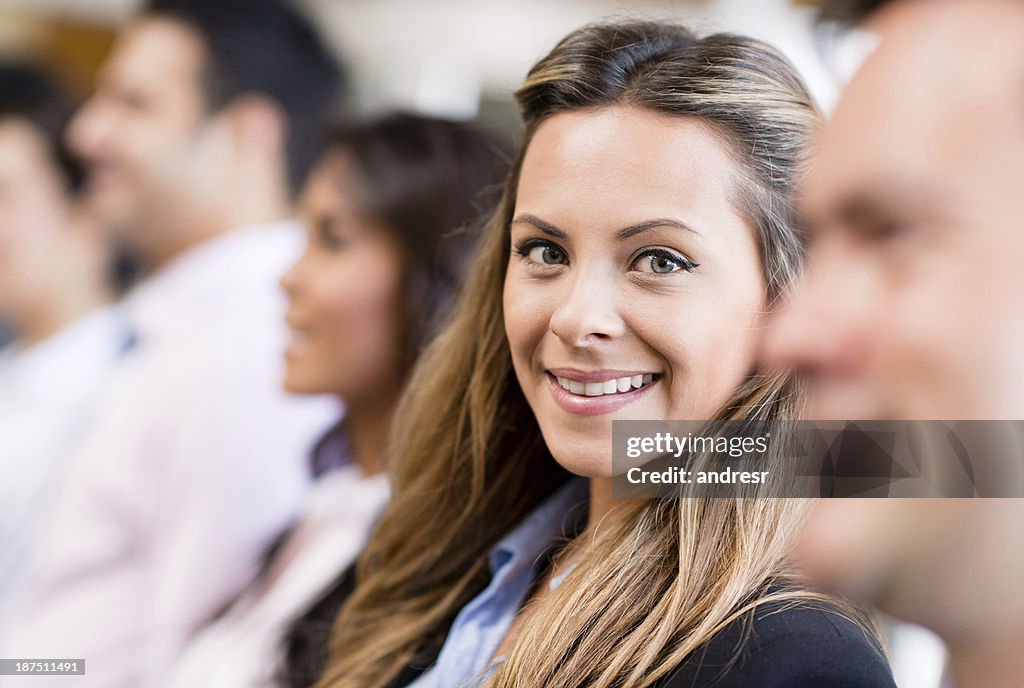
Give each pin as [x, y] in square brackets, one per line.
[616, 167]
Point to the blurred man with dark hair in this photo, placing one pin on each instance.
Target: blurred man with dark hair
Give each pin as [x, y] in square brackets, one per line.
[55, 293]
[913, 308]
[204, 121]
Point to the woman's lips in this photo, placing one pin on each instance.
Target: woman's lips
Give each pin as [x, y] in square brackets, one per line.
[583, 405]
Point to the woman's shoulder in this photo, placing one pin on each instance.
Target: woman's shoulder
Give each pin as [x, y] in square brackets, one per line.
[787, 643]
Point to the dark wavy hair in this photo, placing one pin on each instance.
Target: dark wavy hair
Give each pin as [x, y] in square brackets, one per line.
[432, 182]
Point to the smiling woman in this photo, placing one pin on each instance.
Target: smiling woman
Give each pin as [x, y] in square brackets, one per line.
[608, 269]
[644, 231]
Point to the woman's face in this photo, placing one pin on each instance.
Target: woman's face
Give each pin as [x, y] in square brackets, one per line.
[634, 290]
[344, 294]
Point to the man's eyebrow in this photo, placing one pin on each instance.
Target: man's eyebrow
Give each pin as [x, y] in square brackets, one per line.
[879, 201]
[624, 233]
[858, 208]
[540, 224]
[855, 208]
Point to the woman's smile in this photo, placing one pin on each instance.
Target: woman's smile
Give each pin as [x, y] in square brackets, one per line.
[599, 391]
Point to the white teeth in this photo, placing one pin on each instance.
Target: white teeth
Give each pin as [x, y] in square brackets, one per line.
[614, 386]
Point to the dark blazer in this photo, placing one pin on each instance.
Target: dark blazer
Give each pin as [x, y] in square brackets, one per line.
[782, 645]
[308, 640]
[779, 645]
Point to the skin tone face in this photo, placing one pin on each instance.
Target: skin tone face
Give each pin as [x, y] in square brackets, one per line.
[912, 309]
[345, 301]
[914, 212]
[630, 266]
[155, 159]
[50, 261]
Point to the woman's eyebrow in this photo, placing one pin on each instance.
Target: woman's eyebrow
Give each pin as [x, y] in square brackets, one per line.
[633, 230]
[624, 233]
[540, 224]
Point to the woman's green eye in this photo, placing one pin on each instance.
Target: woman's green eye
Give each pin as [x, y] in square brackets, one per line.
[661, 262]
[548, 255]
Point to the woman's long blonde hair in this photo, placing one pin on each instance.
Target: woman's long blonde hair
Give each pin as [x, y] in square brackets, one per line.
[467, 460]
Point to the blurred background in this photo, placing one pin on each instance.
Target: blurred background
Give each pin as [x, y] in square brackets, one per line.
[449, 57]
[460, 59]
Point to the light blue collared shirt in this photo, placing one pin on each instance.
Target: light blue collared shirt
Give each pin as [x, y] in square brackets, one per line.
[515, 562]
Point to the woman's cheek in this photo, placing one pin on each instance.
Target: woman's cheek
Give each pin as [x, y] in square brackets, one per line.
[708, 355]
[526, 315]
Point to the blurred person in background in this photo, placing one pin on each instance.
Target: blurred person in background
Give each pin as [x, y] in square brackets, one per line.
[206, 118]
[913, 308]
[385, 258]
[55, 294]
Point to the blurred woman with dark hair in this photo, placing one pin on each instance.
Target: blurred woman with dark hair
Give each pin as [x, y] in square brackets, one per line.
[389, 209]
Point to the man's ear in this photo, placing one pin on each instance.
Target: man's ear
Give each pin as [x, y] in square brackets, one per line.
[258, 124]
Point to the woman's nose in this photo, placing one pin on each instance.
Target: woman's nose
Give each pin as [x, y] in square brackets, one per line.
[587, 310]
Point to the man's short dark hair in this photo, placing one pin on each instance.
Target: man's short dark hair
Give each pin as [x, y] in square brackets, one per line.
[849, 12]
[31, 95]
[267, 47]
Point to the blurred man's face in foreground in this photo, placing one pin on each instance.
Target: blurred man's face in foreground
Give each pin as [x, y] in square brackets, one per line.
[913, 307]
[153, 152]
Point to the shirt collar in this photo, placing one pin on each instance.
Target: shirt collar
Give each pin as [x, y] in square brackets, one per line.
[558, 516]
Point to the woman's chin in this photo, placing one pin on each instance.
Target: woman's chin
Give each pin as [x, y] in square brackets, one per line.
[584, 464]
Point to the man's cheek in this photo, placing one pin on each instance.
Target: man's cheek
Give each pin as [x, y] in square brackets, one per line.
[852, 546]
